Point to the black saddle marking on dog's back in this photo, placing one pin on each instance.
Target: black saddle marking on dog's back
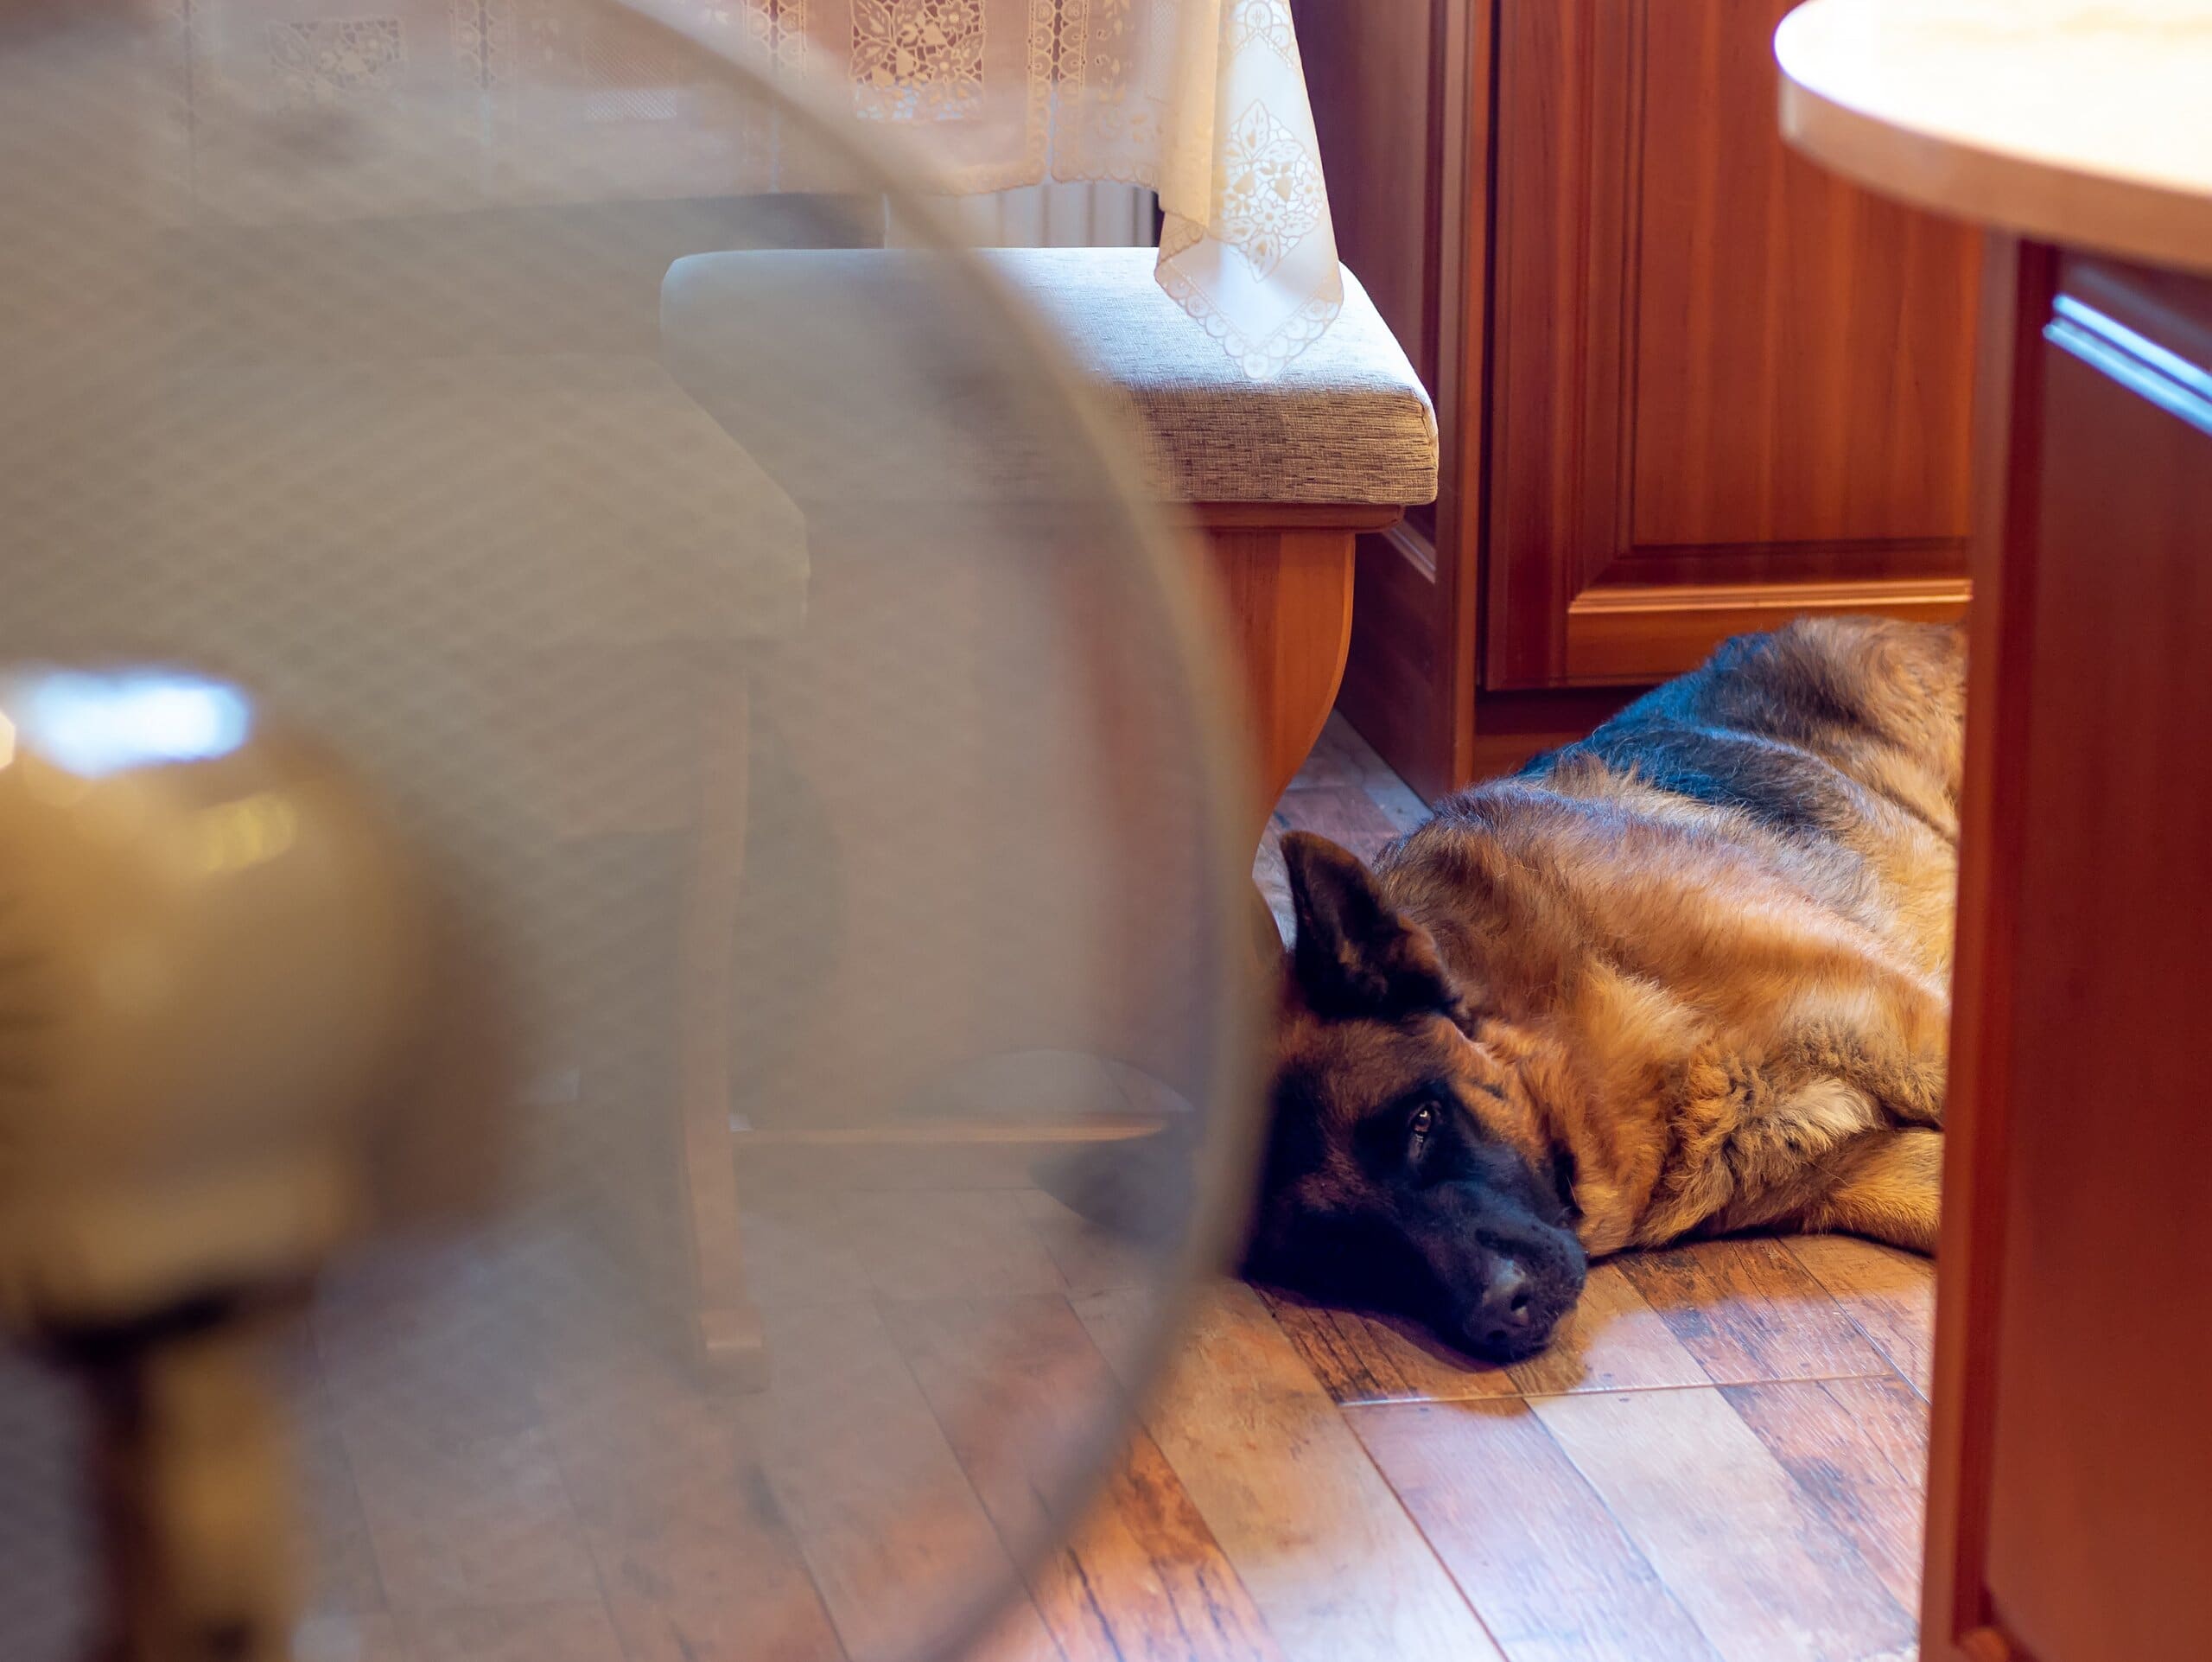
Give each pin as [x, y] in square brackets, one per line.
[1746, 732]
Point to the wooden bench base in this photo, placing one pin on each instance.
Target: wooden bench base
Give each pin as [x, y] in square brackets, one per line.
[1284, 575]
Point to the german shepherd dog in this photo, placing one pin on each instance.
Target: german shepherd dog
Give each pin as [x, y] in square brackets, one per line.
[1688, 976]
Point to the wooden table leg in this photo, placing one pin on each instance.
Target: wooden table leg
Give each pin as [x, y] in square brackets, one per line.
[726, 1325]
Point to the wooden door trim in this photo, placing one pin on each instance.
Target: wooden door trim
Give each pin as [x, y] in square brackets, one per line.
[1956, 1615]
[1630, 635]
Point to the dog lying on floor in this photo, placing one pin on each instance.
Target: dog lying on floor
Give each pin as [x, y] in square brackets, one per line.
[1685, 977]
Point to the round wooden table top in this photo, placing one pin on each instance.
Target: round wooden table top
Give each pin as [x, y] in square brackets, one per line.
[2087, 123]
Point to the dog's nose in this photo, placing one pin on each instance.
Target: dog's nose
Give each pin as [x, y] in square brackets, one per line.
[1508, 1307]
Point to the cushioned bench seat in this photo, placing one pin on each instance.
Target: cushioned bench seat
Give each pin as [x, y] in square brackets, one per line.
[1279, 476]
[1348, 421]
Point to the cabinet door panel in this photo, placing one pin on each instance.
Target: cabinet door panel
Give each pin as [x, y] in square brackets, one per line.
[1803, 350]
[1726, 386]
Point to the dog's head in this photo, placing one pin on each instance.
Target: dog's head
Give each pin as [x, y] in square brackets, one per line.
[1407, 1166]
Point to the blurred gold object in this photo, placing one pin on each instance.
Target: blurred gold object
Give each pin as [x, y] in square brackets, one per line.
[219, 994]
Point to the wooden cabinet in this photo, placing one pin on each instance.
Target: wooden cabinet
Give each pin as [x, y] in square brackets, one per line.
[2071, 1476]
[1689, 383]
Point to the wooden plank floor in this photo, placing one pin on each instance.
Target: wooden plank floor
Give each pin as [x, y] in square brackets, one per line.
[1721, 1462]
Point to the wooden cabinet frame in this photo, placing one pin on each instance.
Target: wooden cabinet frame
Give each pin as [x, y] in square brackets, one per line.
[1955, 1604]
[2069, 1465]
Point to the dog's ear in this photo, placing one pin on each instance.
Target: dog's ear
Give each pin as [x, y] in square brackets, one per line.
[1354, 954]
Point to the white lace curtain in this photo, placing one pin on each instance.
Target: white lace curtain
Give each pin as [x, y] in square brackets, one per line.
[1203, 100]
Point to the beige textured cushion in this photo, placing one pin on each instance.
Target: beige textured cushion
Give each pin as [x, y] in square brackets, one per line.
[770, 343]
[1347, 422]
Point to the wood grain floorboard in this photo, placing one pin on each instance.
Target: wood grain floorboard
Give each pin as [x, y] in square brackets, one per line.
[1749, 1311]
[517, 1632]
[429, 1345]
[1741, 1546]
[485, 1521]
[1019, 1385]
[695, 1557]
[1858, 1451]
[1889, 1294]
[878, 1504]
[1291, 1495]
[1613, 1340]
[795, 1258]
[940, 1243]
[369, 1638]
[1369, 1359]
[1339, 758]
[1013, 1634]
[1529, 1540]
[1090, 1259]
[343, 1577]
[1343, 813]
[1343, 757]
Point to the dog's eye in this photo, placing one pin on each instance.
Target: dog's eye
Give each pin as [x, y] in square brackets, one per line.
[1418, 1131]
